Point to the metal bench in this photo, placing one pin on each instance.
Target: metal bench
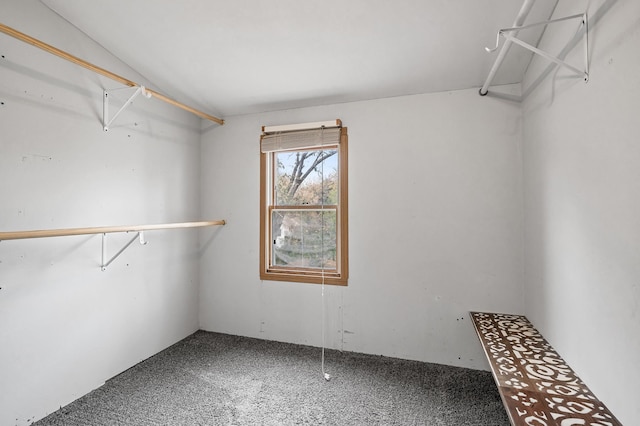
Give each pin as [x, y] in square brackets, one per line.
[536, 385]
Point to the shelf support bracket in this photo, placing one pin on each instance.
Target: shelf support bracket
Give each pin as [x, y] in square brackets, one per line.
[106, 122]
[583, 27]
[510, 38]
[139, 236]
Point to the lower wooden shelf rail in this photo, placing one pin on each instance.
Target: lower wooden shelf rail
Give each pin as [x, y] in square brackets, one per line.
[536, 385]
[104, 230]
[21, 235]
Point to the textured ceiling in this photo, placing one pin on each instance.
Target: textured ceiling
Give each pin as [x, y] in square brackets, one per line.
[244, 56]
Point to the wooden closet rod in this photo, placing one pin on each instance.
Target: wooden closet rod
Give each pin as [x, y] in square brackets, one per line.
[64, 55]
[20, 235]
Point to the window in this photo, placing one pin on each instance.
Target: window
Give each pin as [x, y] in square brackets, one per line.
[303, 203]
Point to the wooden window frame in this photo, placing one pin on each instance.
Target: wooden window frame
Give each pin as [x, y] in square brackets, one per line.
[306, 275]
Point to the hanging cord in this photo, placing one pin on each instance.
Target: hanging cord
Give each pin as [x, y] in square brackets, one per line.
[326, 375]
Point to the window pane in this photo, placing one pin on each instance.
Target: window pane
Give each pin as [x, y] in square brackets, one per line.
[306, 177]
[304, 238]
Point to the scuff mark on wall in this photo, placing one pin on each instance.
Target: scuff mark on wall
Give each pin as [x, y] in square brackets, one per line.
[41, 157]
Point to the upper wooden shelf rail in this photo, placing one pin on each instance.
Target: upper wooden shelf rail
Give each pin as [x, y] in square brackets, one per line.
[64, 55]
[20, 235]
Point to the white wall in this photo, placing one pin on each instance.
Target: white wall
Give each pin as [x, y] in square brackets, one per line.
[582, 204]
[435, 229]
[66, 326]
[436, 211]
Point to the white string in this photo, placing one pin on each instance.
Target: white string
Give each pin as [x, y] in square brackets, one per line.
[326, 375]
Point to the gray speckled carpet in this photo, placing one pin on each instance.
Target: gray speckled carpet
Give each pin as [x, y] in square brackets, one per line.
[217, 379]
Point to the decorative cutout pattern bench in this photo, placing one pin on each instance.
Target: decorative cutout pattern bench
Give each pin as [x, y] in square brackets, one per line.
[536, 385]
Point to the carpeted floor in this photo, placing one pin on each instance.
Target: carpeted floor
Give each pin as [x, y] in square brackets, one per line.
[218, 379]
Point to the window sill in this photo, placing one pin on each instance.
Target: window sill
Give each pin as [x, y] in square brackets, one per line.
[302, 278]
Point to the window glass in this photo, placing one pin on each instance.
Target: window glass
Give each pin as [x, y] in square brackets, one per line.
[304, 238]
[306, 177]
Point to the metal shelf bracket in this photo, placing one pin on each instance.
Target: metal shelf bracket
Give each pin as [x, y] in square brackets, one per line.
[510, 34]
[139, 236]
[106, 122]
[505, 32]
